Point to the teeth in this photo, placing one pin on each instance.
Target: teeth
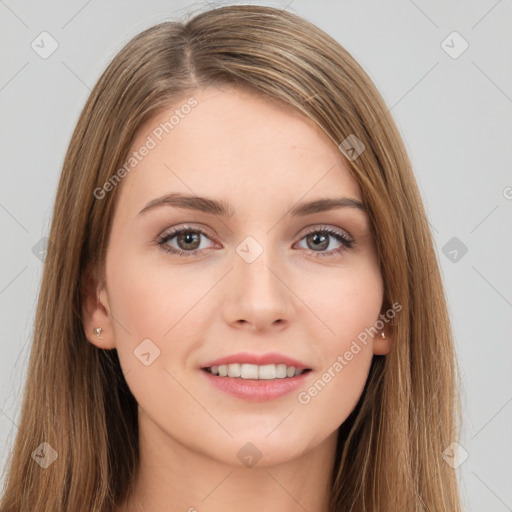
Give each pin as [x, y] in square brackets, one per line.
[281, 371]
[267, 372]
[253, 371]
[249, 371]
[234, 370]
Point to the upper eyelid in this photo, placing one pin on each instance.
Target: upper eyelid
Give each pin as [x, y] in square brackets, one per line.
[321, 227]
[304, 231]
[175, 231]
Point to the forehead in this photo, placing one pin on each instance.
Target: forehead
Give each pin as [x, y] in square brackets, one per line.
[236, 146]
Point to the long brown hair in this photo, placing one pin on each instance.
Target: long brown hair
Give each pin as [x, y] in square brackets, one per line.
[76, 399]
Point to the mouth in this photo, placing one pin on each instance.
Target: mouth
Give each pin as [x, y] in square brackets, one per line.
[267, 372]
[256, 377]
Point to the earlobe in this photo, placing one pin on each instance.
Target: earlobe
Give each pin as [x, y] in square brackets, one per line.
[96, 317]
[382, 343]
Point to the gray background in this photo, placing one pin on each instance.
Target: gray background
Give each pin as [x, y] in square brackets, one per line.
[454, 115]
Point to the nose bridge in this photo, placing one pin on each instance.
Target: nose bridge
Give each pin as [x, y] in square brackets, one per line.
[256, 276]
[258, 293]
[254, 267]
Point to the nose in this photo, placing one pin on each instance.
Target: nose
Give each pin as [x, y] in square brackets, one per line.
[257, 296]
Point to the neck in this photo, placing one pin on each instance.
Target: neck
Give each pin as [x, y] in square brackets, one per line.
[176, 478]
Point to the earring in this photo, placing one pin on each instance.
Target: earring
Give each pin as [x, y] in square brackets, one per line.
[97, 331]
[382, 335]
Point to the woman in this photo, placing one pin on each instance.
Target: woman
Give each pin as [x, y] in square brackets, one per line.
[241, 307]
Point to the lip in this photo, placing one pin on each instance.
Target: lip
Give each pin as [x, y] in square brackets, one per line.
[256, 390]
[258, 359]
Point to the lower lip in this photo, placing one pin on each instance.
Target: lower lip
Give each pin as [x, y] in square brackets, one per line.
[257, 390]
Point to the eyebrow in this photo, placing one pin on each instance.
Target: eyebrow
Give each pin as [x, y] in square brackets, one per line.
[221, 208]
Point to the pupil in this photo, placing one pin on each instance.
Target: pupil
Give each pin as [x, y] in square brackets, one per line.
[322, 239]
[188, 238]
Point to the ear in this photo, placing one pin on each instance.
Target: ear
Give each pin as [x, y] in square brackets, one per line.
[96, 312]
[382, 342]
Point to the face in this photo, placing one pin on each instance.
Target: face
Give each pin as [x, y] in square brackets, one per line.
[187, 284]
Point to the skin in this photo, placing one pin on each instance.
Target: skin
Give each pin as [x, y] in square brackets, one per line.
[261, 158]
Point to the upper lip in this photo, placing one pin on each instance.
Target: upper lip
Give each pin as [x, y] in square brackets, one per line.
[258, 359]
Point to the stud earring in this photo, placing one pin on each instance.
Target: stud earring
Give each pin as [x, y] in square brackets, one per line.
[382, 335]
[97, 331]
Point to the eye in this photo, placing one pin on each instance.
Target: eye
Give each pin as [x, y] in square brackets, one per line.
[187, 238]
[186, 241]
[321, 239]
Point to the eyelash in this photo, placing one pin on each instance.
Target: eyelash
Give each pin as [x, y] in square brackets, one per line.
[347, 243]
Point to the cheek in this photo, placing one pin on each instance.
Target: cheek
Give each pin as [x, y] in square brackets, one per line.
[335, 390]
[157, 326]
[347, 302]
[155, 311]
[151, 300]
[348, 307]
